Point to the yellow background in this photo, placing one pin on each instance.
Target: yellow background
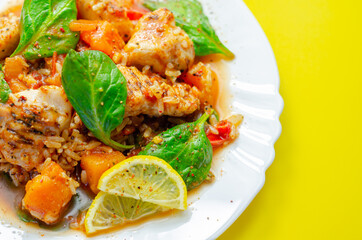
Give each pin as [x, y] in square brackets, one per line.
[313, 190]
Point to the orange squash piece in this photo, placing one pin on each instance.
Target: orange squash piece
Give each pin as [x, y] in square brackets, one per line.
[14, 67]
[101, 36]
[95, 164]
[48, 194]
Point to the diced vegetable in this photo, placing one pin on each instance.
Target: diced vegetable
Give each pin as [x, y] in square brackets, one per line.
[98, 92]
[101, 36]
[136, 12]
[224, 129]
[203, 78]
[13, 67]
[83, 25]
[113, 11]
[187, 149]
[48, 194]
[193, 79]
[95, 164]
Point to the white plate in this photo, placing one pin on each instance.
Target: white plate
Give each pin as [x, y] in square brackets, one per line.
[241, 173]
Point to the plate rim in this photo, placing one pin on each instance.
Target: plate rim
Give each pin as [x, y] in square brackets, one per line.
[241, 208]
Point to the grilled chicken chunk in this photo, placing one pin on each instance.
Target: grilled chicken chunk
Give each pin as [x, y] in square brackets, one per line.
[9, 35]
[30, 120]
[155, 96]
[113, 11]
[159, 43]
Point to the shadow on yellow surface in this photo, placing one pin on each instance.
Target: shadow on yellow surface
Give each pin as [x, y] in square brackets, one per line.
[313, 188]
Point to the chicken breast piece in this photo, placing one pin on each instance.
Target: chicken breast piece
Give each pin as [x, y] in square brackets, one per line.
[9, 34]
[155, 96]
[159, 43]
[48, 194]
[113, 11]
[30, 120]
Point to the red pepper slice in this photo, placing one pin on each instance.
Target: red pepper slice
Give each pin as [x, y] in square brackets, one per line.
[133, 14]
[192, 79]
[224, 129]
[136, 12]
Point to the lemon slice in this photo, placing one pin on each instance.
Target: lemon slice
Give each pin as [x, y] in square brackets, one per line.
[109, 210]
[147, 178]
[135, 188]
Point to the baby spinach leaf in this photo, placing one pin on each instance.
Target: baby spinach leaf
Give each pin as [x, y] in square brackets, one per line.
[44, 28]
[190, 17]
[98, 92]
[25, 216]
[4, 89]
[187, 149]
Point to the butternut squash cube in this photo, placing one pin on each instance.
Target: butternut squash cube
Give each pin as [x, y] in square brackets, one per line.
[95, 164]
[48, 194]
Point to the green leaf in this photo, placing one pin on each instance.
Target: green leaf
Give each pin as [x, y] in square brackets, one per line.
[25, 216]
[187, 149]
[4, 89]
[98, 92]
[44, 28]
[190, 17]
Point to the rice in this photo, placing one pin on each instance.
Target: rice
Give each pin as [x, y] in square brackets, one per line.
[67, 148]
[72, 155]
[52, 144]
[213, 130]
[44, 71]
[83, 177]
[147, 132]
